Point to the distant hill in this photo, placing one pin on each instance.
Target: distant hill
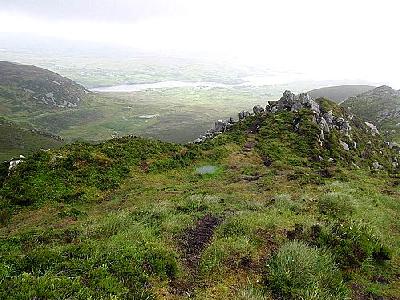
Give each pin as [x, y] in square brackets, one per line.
[15, 140]
[340, 93]
[29, 85]
[380, 106]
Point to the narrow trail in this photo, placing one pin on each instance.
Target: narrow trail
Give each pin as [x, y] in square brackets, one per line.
[251, 141]
[197, 238]
[192, 244]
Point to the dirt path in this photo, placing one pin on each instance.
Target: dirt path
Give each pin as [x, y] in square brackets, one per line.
[250, 143]
[196, 239]
[192, 244]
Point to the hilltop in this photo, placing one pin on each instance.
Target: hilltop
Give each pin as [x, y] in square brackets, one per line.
[339, 93]
[32, 86]
[297, 200]
[380, 106]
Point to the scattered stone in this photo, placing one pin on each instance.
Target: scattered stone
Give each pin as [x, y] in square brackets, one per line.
[344, 145]
[376, 166]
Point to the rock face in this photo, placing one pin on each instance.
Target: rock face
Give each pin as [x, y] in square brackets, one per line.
[41, 86]
[292, 102]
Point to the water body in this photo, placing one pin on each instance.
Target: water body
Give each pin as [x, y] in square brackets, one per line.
[160, 85]
[246, 81]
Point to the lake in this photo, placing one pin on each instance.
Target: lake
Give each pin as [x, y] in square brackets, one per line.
[246, 81]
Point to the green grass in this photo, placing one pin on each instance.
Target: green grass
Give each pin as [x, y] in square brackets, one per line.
[298, 271]
[120, 235]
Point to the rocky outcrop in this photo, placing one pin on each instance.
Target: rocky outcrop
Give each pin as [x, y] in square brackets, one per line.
[326, 120]
[243, 114]
[258, 109]
[292, 102]
[220, 126]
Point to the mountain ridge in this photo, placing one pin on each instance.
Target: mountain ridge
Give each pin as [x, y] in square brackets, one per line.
[340, 93]
[380, 106]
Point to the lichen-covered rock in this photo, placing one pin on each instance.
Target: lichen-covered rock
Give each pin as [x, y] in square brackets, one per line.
[324, 125]
[220, 126]
[258, 109]
[377, 166]
[243, 114]
[288, 101]
[307, 102]
[292, 102]
[344, 145]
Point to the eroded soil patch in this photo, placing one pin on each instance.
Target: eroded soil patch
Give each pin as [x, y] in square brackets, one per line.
[196, 239]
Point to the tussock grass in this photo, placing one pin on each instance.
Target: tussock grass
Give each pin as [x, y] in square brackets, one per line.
[298, 271]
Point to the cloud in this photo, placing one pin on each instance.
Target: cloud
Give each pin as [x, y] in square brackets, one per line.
[329, 39]
[121, 11]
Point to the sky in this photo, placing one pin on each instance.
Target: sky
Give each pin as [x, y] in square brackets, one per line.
[341, 39]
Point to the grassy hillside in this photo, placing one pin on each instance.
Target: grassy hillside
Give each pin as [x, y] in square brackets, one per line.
[380, 106]
[15, 140]
[38, 87]
[264, 211]
[340, 93]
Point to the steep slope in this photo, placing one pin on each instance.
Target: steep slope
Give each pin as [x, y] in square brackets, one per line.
[339, 93]
[299, 198]
[23, 85]
[15, 141]
[380, 106]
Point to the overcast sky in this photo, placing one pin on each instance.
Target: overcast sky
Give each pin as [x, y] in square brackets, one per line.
[337, 39]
